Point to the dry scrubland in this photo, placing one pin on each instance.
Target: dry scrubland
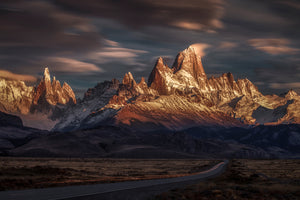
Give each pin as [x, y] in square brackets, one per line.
[246, 179]
[281, 170]
[21, 173]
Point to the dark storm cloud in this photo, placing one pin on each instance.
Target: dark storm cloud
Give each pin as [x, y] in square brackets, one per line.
[258, 18]
[267, 41]
[274, 46]
[39, 32]
[190, 14]
[282, 75]
[85, 42]
[40, 24]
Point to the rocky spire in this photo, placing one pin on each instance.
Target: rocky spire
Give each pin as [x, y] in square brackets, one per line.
[47, 81]
[186, 74]
[142, 82]
[52, 93]
[47, 75]
[143, 85]
[158, 77]
[129, 80]
[189, 61]
[159, 69]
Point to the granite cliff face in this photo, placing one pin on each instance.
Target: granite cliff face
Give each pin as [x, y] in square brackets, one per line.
[181, 97]
[18, 98]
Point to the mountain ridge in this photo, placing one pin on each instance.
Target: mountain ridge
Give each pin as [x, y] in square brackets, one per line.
[181, 97]
[175, 98]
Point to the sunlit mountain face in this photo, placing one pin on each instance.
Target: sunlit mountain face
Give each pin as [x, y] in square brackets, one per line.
[84, 43]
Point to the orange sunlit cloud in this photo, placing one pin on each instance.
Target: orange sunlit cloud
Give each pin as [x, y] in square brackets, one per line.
[200, 48]
[72, 65]
[274, 46]
[227, 45]
[22, 77]
[285, 85]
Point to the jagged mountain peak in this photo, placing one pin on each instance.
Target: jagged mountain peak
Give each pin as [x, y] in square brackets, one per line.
[160, 60]
[160, 65]
[291, 94]
[157, 78]
[142, 82]
[52, 93]
[186, 73]
[229, 77]
[191, 50]
[188, 60]
[129, 80]
[47, 74]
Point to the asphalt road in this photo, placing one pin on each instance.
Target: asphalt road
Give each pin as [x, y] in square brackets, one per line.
[123, 190]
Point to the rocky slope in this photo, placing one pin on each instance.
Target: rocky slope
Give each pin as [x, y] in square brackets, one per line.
[34, 103]
[281, 141]
[13, 134]
[180, 97]
[88, 108]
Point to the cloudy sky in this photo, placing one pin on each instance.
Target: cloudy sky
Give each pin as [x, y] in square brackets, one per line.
[85, 42]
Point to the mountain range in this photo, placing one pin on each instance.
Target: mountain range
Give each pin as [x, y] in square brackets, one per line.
[177, 98]
[178, 112]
